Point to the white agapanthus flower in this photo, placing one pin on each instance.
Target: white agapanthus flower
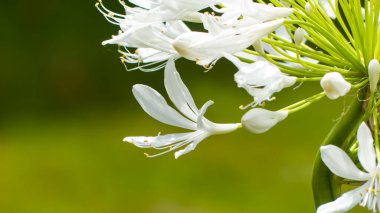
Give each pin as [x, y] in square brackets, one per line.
[260, 79]
[153, 43]
[334, 85]
[207, 48]
[191, 118]
[367, 195]
[258, 120]
[233, 10]
[154, 11]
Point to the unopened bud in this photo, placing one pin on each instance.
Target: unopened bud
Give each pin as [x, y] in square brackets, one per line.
[299, 36]
[373, 74]
[308, 8]
[334, 85]
[258, 120]
[259, 47]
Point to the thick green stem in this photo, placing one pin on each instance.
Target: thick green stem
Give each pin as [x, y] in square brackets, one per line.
[325, 185]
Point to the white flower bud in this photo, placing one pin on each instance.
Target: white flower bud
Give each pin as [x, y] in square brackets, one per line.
[258, 47]
[258, 120]
[308, 8]
[299, 36]
[373, 74]
[334, 85]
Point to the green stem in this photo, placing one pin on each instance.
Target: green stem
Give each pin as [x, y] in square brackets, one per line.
[325, 185]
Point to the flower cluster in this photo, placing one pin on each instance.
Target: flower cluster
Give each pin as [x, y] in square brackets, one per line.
[273, 46]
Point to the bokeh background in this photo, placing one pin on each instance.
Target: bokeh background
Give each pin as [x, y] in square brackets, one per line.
[66, 104]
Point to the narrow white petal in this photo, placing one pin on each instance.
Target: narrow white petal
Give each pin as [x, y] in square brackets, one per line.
[344, 203]
[340, 164]
[140, 141]
[366, 152]
[170, 139]
[191, 146]
[155, 105]
[201, 119]
[206, 48]
[178, 92]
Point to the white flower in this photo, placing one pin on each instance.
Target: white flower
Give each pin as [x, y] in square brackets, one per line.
[191, 118]
[152, 43]
[207, 48]
[260, 79]
[154, 11]
[258, 120]
[329, 9]
[341, 165]
[233, 10]
[334, 85]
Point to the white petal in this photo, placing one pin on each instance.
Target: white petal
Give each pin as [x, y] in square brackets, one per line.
[264, 12]
[366, 152]
[262, 79]
[259, 120]
[148, 55]
[340, 164]
[205, 48]
[158, 141]
[344, 203]
[201, 119]
[178, 92]
[155, 105]
[140, 141]
[191, 146]
[147, 4]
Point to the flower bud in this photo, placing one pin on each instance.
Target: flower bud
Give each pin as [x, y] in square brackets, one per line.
[299, 36]
[258, 47]
[334, 85]
[373, 74]
[308, 8]
[258, 120]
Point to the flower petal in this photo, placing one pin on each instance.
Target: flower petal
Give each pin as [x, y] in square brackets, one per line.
[191, 146]
[155, 105]
[178, 92]
[340, 164]
[344, 203]
[366, 152]
[201, 120]
[158, 141]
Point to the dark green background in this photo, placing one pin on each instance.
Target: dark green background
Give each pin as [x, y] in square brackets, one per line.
[66, 104]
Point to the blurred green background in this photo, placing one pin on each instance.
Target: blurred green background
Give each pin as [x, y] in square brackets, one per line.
[66, 104]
